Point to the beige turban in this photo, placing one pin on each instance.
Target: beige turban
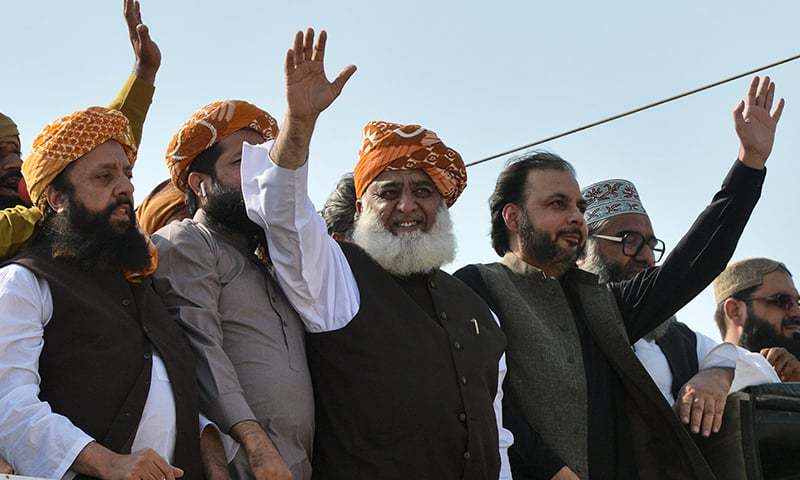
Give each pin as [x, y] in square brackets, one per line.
[8, 131]
[742, 275]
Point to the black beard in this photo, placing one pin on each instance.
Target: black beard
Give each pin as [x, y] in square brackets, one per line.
[539, 246]
[91, 241]
[225, 207]
[9, 201]
[758, 334]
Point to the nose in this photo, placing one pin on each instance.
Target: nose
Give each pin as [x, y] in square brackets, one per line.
[406, 203]
[647, 256]
[125, 189]
[11, 162]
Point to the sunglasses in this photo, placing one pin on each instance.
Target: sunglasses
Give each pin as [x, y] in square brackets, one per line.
[781, 300]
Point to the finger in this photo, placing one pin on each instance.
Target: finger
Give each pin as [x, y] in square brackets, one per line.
[709, 412]
[165, 468]
[686, 408]
[761, 93]
[319, 48]
[698, 405]
[770, 96]
[343, 77]
[298, 48]
[137, 10]
[764, 352]
[718, 414]
[780, 362]
[776, 116]
[289, 64]
[751, 91]
[308, 45]
[177, 472]
[144, 34]
[738, 112]
[773, 355]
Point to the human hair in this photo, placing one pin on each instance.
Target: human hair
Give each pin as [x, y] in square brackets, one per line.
[204, 162]
[510, 188]
[340, 208]
[719, 313]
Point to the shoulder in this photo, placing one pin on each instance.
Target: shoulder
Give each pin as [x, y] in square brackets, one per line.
[20, 284]
[183, 235]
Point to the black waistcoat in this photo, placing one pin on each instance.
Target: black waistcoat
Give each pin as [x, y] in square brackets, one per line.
[96, 361]
[679, 345]
[401, 394]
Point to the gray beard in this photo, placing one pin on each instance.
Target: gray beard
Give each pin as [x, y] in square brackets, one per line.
[408, 253]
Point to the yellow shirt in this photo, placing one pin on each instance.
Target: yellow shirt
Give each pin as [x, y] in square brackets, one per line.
[17, 223]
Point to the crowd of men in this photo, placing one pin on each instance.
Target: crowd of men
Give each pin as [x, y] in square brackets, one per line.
[226, 329]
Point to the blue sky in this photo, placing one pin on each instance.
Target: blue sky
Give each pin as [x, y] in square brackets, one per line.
[484, 76]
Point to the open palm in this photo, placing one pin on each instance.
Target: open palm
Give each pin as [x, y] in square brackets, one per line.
[308, 91]
[755, 124]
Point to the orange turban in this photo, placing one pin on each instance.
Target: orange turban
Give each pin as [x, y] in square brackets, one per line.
[390, 146]
[68, 139]
[208, 126]
[164, 204]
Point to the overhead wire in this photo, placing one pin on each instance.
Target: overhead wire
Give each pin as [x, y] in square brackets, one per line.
[631, 112]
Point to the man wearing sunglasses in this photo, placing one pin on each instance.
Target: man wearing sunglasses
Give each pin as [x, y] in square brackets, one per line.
[757, 309]
[689, 368]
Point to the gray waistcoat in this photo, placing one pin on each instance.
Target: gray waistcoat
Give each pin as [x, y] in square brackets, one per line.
[546, 377]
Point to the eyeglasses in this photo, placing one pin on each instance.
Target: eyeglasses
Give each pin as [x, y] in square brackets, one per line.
[781, 300]
[633, 242]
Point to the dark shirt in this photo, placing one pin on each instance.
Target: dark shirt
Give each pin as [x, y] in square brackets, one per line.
[645, 301]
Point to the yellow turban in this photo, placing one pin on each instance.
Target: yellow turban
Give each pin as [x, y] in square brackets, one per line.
[208, 126]
[8, 131]
[68, 139]
[164, 204]
[391, 146]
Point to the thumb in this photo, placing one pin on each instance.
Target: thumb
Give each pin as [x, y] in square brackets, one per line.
[343, 77]
[177, 472]
[143, 33]
[737, 112]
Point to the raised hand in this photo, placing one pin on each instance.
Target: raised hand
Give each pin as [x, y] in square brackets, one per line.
[754, 123]
[148, 56]
[308, 91]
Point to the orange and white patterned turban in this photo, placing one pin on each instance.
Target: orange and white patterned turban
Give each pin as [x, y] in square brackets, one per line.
[390, 146]
[164, 204]
[208, 126]
[68, 139]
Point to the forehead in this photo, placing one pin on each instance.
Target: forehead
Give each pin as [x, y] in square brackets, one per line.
[108, 154]
[545, 183]
[777, 282]
[629, 222]
[402, 177]
[233, 142]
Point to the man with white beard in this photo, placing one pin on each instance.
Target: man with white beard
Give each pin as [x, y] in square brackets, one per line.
[405, 359]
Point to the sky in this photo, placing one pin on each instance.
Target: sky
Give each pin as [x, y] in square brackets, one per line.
[485, 77]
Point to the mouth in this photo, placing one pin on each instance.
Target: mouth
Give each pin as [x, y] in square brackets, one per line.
[10, 184]
[122, 212]
[406, 226]
[792, 324]
[572, 239]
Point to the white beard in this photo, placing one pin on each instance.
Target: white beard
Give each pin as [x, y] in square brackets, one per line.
[407, 253]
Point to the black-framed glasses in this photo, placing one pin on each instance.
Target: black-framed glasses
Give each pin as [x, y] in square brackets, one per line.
[633, 242]
[783, 301]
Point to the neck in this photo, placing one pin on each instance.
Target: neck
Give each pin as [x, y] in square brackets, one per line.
[551, 270]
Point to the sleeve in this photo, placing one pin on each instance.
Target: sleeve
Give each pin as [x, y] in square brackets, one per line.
[752, 369]
[505, 437]
[16, 227]
[655, 294]
[309, 264]
[188, 282]
[36, 441]
[230, 445]
[711, 354]
[134, 100]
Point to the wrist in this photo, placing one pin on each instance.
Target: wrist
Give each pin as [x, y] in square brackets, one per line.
[752, 159]
[146, 73]
[249, 434]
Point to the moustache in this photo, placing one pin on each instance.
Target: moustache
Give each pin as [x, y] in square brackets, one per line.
[572, 231]
[791, 322]
[10, 179]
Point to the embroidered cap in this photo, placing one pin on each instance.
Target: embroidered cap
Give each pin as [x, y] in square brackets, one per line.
[610, 198]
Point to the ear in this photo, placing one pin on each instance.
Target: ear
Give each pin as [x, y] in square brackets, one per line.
[194, 180]
[511, 216]
[57, 200]
[735, 312]
[359, 206]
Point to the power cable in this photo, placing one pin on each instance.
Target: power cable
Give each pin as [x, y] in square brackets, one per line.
[631, 112]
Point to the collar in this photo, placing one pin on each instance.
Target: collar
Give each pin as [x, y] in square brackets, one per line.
[237, 239]
[520, 267]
